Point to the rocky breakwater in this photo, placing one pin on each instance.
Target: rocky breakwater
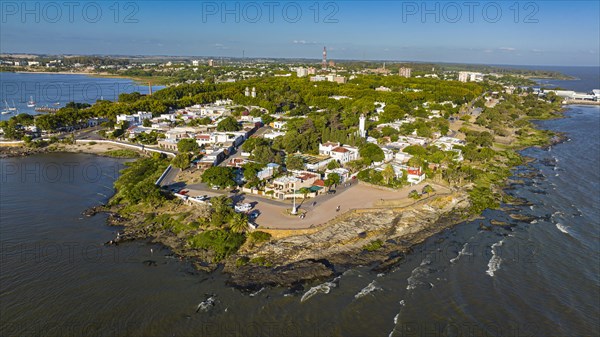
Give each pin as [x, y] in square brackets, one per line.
[375, 237]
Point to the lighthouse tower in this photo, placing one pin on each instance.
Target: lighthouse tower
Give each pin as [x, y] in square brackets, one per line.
[361, 126]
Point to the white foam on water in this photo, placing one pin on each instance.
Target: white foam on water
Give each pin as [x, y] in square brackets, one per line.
[257, 292]
[462, 252]
[371, 287]
[206, 305]
[421, 270]
[395, 324]
[495, 261]
[322, 288]
[562, 228]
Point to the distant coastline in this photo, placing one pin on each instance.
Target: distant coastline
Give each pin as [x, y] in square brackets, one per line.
[137, 80]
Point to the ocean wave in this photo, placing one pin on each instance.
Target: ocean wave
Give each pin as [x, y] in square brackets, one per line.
[323, 288]
[462, 252]
[371, 287]
[562, 228]
[495, 261]
[420, 271]
[257, 292]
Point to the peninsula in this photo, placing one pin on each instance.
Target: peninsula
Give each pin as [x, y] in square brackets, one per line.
[301, 173]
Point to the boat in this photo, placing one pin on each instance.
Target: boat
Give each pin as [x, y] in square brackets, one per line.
[31, 103]
[7, 109]
[14, 107]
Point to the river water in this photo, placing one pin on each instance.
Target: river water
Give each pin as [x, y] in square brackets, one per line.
[55, 90]
[527, 279]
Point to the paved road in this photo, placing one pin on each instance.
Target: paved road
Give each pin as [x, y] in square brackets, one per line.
[238, 153]
[168, 180]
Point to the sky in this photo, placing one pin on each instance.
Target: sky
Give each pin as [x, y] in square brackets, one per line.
[490, 32]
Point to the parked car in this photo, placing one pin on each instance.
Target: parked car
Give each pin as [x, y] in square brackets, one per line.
[254, 214]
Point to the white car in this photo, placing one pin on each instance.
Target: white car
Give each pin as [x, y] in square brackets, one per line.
[243, 207]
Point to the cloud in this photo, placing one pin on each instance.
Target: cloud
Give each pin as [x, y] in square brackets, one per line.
[304, 42]
[221, 46]
[507, 49]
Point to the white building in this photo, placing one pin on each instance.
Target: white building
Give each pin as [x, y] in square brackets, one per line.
[341, 153]
[136, 118]
[405, 72]
[415, 175]
[279, 125]
[301, 72]
[273, 134]
[467, 76]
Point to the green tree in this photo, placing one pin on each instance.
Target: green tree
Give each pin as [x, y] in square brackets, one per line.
[333, 165]
[238, 223]
[332, 179]
[147, 123]
[414, 194]
[182, 161]
[388, 173]
[293, 162]
[427, 189]
[371, 153]
[219, 176]
[187, 145]
[228, 124]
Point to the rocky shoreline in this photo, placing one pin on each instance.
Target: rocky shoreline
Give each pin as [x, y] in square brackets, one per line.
[298, 259]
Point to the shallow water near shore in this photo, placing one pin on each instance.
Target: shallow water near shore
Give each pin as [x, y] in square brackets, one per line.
[477, 279]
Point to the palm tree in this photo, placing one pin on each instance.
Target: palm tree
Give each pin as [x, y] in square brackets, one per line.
[238, 223]
[304, 191]
[220, 203]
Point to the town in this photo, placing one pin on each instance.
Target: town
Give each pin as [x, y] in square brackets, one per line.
[296, 146]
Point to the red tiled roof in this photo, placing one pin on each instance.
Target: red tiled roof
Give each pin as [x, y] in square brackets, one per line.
[306, 176]
[415, 171]
[319, 182]
[340, 149]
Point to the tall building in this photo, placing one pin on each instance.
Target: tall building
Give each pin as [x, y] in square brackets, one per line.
[247, 92]
[404, 72]
[253, 92]
[463, 76]
[361, 126]
[324, 63]
[301, 72]
[466, 76]
[211, 63]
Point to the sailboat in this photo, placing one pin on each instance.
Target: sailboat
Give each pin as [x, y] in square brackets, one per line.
[6, 110]
[31, 103]
[14, 107]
